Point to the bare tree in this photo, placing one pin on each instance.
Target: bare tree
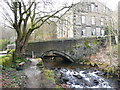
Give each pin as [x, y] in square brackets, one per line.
[25, 18]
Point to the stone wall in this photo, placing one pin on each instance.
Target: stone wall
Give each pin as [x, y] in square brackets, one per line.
[74, 48]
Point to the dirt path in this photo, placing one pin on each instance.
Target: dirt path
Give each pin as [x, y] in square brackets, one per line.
[33, 75]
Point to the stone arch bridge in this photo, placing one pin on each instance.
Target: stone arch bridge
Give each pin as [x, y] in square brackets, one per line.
[72, 49]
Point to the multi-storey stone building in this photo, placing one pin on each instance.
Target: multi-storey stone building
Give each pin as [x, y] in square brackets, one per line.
[85, 19]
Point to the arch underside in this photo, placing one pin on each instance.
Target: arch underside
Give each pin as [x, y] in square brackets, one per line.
[57, 53]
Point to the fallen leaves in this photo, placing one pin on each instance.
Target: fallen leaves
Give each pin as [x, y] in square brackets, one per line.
[12, 79]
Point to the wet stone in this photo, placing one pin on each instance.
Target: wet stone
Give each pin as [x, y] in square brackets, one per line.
[19, 68]
[96, 82]
[78, 76]
[52, 68]
[84, 72]
[65, 79]
[99, 73]
[58, 68]
[77, 69]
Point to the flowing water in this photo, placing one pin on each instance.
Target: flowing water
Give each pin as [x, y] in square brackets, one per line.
[33, 75]
[71, 74]
[83, 79]
[81, 76]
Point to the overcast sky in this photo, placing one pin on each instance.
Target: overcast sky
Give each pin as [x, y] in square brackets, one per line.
[112, 4]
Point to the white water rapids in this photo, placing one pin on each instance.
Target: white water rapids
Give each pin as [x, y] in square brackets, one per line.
[86, 80]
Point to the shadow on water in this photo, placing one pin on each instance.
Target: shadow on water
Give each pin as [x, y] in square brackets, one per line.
[62, 62]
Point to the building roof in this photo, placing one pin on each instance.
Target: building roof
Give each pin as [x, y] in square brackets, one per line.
[93, 1]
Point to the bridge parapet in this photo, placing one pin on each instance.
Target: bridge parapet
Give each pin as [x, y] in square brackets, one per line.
[73, 48]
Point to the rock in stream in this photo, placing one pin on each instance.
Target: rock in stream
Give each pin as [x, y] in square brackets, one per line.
[82, 79]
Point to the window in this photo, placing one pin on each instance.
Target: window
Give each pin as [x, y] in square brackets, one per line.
[83, 32]
[94, 32]
[92, 7]
[97, 31]
[74, 32]
[83, 19]
[64, 33]
[77, 20]
[66, 22]
[102, 32]
[102, 21]
[93, 20]
[104, 9]
[96, 8]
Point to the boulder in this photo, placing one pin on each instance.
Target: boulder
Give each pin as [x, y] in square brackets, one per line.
[65, 79]
[40, 63]
[77, 76]
[96, 82]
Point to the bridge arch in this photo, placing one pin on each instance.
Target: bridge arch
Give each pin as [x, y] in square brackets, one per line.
[56, 52]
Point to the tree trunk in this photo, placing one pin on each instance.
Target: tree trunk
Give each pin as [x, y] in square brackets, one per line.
[20, 49]
[21, 43]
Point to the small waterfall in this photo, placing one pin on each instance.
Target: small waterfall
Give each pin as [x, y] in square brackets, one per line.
[33, 75]
[83, 79]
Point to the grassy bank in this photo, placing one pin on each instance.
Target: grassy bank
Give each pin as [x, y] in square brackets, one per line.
[10, 76]
[106, 60]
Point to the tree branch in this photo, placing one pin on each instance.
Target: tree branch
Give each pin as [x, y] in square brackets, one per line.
[27, 17]
[23, 5]
[6, 18]
[15, 15]
[49, 16]
[28, 8]
[20, 15]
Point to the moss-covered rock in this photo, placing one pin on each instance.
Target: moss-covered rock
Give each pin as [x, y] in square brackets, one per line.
[40, 63]
[92, 64]
[104, 65]
[87, 63]
[9, 55]
[48, 80]
[6, 61]
[59, 88]
[11, 51]
[49, 73]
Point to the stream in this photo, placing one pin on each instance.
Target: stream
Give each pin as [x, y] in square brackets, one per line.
[71, 74]
[81, 76]
[83, 79]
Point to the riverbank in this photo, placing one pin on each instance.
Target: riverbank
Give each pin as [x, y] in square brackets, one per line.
[105, 61]
[36, 75]
[28, 76]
